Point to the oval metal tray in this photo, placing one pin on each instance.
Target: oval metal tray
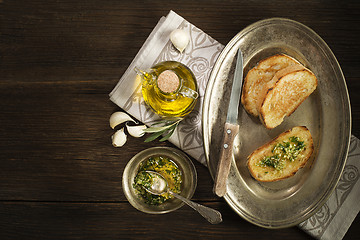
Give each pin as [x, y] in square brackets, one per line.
[326, 113]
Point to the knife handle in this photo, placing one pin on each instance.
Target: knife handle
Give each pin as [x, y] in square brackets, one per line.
[223, 167]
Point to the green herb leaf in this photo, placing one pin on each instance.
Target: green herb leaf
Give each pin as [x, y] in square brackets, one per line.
[167, 136]
[154, 136]
[156, 129]
[168, 127]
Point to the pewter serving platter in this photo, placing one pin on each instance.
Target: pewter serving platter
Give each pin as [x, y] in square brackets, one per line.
[326, 113]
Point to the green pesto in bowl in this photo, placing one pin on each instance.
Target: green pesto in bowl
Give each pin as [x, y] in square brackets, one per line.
[167, 168]
[167, 161]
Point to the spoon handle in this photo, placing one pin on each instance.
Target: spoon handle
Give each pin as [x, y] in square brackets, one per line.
[212, 215]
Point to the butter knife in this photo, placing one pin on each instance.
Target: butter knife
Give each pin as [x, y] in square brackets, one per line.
[230, 131]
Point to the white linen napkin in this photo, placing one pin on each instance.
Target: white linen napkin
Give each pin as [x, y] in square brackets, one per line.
[330, 222]
[200, 56]
[336, 215]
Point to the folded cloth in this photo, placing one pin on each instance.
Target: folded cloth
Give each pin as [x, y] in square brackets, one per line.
[335, 216]
[200, 56]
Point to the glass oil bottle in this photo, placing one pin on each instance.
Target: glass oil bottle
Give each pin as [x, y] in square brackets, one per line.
[169, 88]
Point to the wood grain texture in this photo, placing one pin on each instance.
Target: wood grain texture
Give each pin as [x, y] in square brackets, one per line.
[120, 221]
[60, 177]
[225, 159]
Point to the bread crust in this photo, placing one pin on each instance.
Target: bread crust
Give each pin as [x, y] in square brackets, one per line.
[262, 77]
[286, 96]
[270, 174]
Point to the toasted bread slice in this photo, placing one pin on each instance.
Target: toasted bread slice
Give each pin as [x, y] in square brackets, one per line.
[260, 78]
[287, 94]
[283, 156]
[279, 74]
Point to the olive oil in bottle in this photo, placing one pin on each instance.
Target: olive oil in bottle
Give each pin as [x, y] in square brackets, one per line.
[170, 89]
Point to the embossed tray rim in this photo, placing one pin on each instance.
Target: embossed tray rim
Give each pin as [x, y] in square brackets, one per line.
[238, 180]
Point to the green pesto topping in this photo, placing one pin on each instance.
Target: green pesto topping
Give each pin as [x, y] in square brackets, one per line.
[167, 168]
[282, 152]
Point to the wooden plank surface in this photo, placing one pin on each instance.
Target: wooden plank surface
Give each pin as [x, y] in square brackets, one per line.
[119, 221]
[60, 177]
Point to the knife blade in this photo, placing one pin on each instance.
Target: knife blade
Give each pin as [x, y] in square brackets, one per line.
[230, 131]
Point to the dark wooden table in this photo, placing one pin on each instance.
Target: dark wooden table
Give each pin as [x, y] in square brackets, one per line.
[60, 177]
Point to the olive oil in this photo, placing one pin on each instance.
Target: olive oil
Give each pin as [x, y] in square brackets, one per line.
[175, 95]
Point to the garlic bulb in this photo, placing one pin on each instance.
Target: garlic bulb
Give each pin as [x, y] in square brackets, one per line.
[119, 138]
[180, 39]
[119, 117]
[136, 131]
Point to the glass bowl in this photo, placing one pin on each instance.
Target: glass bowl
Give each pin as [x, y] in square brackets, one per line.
[188, 186]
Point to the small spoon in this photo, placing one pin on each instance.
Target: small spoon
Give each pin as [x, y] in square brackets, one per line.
[159, 186]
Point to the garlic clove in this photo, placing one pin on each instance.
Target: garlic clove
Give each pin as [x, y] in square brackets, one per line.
[136, 131]
[118, 118]
[180, 39]
[119, 138]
